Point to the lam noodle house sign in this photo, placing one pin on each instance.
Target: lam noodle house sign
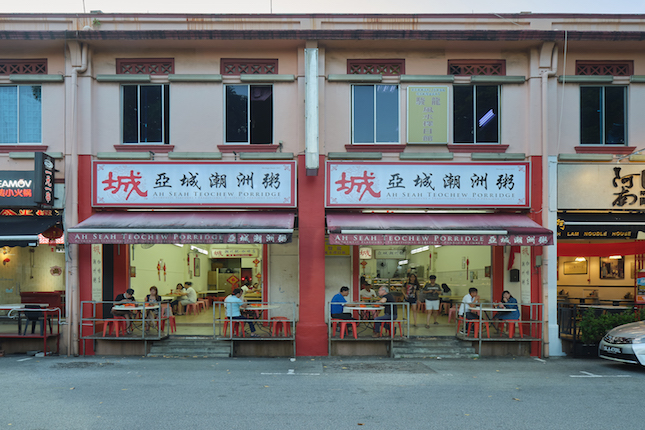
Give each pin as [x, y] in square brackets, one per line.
[619, 190]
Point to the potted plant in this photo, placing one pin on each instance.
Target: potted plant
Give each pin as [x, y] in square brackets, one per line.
[595, 323]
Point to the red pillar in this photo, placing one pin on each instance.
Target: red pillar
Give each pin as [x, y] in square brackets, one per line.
[311, 333]
[497, 275]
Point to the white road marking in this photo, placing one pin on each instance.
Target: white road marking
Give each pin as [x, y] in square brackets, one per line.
[539, 359]
[291, 372]
[593, 375]
[25, 359]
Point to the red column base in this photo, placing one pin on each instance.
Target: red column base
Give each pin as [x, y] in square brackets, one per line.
[311, 340]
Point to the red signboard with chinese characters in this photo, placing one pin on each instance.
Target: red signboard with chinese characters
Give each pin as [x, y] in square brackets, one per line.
[391, 185]
[194, 184]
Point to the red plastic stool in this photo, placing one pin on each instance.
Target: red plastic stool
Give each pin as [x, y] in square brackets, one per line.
[235, 327]
[115, 324]
[511, 327]
[475, 324]
[343, 327]
[392, 323]
[202, 304]
[452, 313]
[192, 306]
[280, 324]
[173, 324]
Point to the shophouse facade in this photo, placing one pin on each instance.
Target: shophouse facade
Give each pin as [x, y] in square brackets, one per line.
[325, 146]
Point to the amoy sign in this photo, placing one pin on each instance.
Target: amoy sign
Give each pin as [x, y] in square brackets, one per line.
[17, 189]
[30, 188]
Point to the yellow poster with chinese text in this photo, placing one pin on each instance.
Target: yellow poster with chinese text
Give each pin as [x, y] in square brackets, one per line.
[428, 114]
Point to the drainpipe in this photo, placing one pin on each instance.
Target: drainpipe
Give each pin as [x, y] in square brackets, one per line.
[549, 170]
[71, 201]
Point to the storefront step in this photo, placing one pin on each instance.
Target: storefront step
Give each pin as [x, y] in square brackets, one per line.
[444, 347]
[190, 347]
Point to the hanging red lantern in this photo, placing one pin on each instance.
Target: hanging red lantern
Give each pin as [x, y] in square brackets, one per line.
[52, 233]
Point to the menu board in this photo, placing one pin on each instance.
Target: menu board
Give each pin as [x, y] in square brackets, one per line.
[428, 114]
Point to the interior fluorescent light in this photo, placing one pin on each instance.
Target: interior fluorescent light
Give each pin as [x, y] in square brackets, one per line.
[421, 249]
[580, 259]
[181, 245]
[403, 262]
[615, 257]
[194, 248]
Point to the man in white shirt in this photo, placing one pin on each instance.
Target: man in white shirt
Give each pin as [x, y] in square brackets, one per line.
[469, 304]
[189, 295]
[233, 304]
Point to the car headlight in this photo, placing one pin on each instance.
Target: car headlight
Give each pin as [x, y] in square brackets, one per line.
[622, 340]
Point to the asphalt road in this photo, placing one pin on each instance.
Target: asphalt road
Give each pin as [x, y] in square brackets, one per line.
[319, 393]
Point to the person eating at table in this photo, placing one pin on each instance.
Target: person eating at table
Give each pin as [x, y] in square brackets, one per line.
[233, 304]
[390, 312]
[179, 289]
[337, 305]
[153, 297]
[367, 293]
[469, 304]
[189, 297]
[127, 297]
[508, 302]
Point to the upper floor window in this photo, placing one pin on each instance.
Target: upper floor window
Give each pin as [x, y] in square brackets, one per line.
[603, 109]
[249, 108]
[21, 105]
[476, 108]
[375, 114]
[603, 115]
[146, 116]
[375, 108]
[249, 114]
[476, 113]
[20, 114]
[145, 108]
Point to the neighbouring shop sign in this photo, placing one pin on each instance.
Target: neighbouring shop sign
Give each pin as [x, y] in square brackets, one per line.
[17, 189]
[601, 186]
[193, 184]
[428, 114]
[473, 185]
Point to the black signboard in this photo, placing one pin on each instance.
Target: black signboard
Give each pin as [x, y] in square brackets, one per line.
[44, 169]
[17, 189]
[600, 226]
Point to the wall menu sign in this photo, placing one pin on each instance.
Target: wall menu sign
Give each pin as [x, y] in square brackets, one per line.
[17, 189]
[383, 184]
[193, 184]
[601, 186]
[428, 114]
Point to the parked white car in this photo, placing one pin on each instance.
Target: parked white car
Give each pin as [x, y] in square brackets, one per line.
[625, 343]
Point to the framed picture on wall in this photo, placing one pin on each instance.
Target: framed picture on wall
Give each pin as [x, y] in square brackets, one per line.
[197, 268]
[575, 267]
[612, 267]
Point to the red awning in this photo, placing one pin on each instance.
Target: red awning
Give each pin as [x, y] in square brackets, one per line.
[184, 227]
[435, 229]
